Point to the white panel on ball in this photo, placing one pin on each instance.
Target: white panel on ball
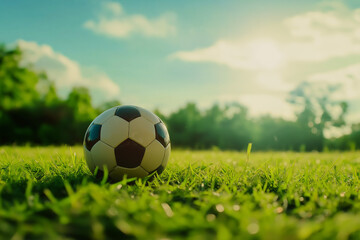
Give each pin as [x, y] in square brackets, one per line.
[166, 156]
[103, 155]
[118, 173]
[114, 131]
[153, 156]
[105, 116]
[89, 161]
[142, 131]
[148, 115]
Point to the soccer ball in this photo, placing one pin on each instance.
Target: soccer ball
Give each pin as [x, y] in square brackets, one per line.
[127, 140]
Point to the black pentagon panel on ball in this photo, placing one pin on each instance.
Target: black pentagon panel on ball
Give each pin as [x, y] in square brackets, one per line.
[162, 134]
[127, 112]
[92, 136]
[129, 154]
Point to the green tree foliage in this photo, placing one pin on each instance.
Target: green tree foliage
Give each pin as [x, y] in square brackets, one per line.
[315, 116]
[347, 142]
[32, 112]
[235, 127]
[226, 127]
[79, 101]
[18, 84]
[277, 134]
[184, 126]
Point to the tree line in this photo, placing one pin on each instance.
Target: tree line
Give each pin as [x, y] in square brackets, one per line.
[32, 112]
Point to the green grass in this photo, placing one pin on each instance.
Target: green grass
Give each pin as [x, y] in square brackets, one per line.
[48, 193]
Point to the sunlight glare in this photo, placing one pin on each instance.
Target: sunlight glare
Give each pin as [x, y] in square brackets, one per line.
[266, 54]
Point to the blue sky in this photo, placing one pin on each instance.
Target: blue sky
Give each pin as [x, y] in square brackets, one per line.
[166, 53]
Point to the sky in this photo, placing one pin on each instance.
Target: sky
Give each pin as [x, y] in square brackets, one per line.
[163, 54]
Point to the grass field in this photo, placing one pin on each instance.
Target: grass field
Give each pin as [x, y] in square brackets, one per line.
[48, 193]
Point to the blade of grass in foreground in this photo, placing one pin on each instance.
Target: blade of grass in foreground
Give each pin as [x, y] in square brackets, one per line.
[248, 152]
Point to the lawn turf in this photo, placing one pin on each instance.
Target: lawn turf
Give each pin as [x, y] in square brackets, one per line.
[48, 193]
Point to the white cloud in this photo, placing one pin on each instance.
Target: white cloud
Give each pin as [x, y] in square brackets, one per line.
[353, 117]
[346, 79]
[335, 132]
[322, 35]
[67, 73]
[261, 54]
[312, 36]
[273, 81]
[261, 57]
[337, 85]
[114, 22]
[113, 8]
[346, 84]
